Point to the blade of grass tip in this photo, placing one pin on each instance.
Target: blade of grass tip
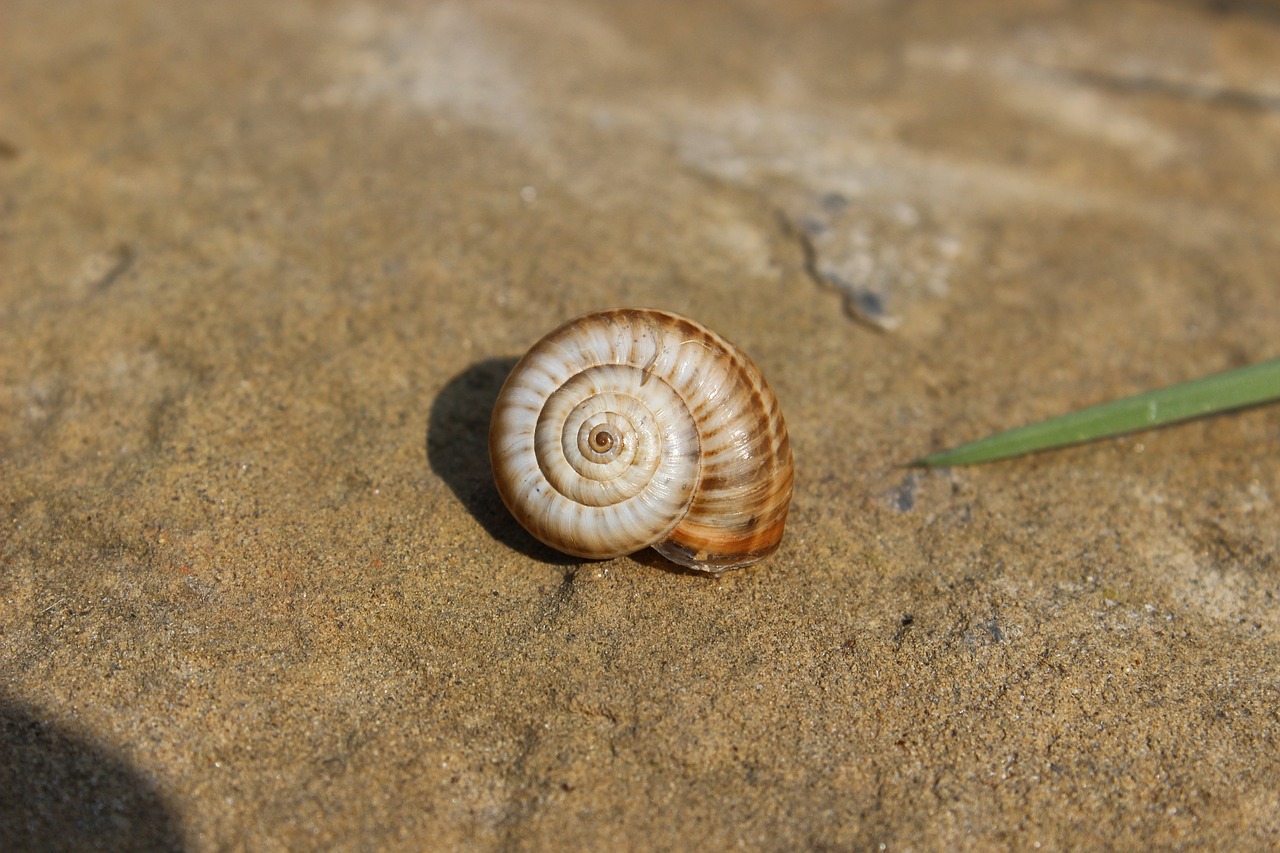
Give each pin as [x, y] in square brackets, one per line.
[1233, 389]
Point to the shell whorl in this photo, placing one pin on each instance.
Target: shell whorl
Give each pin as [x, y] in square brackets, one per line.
[632, 428]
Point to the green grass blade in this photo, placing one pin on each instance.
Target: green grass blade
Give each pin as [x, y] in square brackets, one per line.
[1245, 386]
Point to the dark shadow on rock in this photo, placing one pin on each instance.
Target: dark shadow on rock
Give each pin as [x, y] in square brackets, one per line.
[458, 452]
[59, 791]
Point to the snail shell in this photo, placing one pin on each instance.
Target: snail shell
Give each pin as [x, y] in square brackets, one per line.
[632, 428]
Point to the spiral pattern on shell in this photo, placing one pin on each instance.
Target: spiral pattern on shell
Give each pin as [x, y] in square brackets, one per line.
[632, 428]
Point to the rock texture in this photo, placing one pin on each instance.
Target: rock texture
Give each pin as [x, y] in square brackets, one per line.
[263, 268]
